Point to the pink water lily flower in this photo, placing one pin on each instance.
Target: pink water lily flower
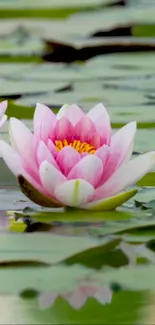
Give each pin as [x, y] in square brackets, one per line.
[78, 296]
[72, 159]
[3, 116]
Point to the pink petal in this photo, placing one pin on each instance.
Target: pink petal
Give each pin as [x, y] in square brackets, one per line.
[62, 111]
[103, 295]
[44, 123]
[72, 112]
[127, 175]
[76, 298]
[120, 149]
[46, 300]
[74, 192]
[121, 142]
[103, 153]
[3, 107]
[96, 140]
[22, 140]
[3, 120]
[51, 147]
[11, 158]
[64, 130]
[43, 153]
[89, 168]
[85, 130]
[84, 154]
[14, 163]
[101, 119]
[50, 177]
[67, 158]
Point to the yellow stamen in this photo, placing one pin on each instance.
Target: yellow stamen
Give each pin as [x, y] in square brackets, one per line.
[76, 144]
[65, 142]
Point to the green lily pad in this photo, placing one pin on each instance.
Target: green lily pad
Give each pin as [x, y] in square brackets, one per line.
[147, 180]
[143, 84]
[16, 4]
[127, 226]
[28, 311]
[130, 62]
[43, 279]
[133, 278]
[143, 115]
[42, 247]
[145, 195]
[87, 97]
[20, 87]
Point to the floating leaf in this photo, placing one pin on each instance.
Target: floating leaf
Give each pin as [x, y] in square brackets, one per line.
[42, 278]
[19, 87]
[30, 4]
[127, 226]
[87, 97]
[27, 311]
[103, 255]
[134, 278]
[43, 247]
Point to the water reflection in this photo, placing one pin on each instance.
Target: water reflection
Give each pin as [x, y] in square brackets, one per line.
[126, 307]
[77, 297]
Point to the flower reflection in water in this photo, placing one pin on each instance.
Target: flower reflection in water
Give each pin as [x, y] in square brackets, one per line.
[78, 296]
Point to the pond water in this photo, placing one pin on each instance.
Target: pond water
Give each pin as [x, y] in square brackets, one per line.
[78, 267]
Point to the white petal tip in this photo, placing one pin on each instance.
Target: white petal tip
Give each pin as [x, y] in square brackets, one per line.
[62, 111]
[75, 192]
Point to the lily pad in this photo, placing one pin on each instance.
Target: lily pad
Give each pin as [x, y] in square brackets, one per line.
[49, 249]
[28, 311]
[47, 3]
[139, 278]
[126, 227]
[144, 84]
[143, 114]
[46, 279]
[20, 42]
[145, 195]
[87, 97]
[131, 62]
[19, 87]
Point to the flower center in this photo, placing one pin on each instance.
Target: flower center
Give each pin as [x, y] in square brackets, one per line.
[76, 144]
